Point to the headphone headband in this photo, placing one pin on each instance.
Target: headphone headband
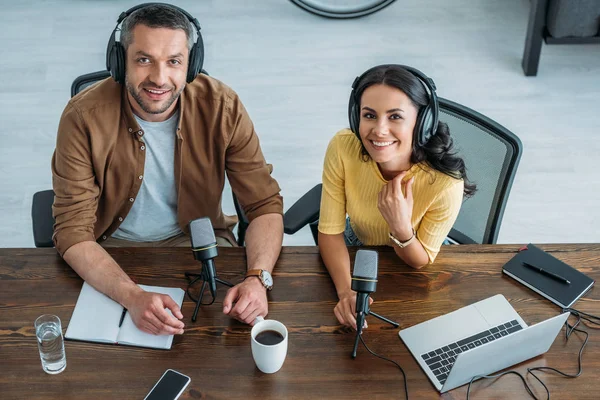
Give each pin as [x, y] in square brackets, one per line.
[127, 13]
[427, 118]
[116, 54]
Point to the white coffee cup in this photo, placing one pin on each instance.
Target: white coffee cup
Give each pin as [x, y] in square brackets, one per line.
[269, 358]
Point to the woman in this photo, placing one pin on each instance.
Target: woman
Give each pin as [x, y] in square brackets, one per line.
[392, 179]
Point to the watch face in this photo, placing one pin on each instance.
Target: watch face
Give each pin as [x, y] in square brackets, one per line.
[266, 278]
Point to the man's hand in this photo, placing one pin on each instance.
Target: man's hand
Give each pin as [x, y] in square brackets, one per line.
[345, 309]
[250, 298]
[148, 312]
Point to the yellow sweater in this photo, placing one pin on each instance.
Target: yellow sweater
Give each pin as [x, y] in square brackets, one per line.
[351, 187]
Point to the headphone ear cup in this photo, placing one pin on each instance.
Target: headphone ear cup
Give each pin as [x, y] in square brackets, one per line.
[353, 114]
[354, 123]
[192, 65]
[424, 125]
[110, 55]
[119, 65]
[196, 59]
[115, 62]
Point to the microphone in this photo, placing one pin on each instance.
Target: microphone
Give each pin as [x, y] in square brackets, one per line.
[364, 282]
[204, 246]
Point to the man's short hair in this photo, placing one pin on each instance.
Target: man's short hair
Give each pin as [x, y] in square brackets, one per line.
[156, 16]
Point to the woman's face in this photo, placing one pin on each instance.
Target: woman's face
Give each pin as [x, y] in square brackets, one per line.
[387, 121]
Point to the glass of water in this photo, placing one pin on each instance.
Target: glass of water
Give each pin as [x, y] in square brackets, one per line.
[51, 344]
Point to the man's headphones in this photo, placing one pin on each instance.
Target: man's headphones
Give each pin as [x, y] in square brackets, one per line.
[116, 56]
[427, 118]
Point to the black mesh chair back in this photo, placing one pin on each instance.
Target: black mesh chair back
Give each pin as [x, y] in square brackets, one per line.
[491, 153]
[42, 220]
[87, 80]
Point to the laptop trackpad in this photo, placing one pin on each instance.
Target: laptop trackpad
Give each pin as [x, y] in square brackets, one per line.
[457, 325]
[498, 311]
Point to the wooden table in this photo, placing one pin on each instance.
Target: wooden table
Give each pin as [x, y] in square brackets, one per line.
[215, 351]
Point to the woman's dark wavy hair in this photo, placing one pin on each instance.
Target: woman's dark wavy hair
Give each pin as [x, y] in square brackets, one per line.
[439, 152]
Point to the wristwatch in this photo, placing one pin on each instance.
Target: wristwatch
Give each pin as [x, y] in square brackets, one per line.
[265, 277]
[403, 244]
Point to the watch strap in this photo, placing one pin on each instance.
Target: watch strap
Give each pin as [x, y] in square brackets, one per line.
[253, 272]
[405, 243]
[259, 274]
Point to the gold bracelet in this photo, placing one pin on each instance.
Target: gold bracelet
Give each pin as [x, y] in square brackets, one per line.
[403, 244]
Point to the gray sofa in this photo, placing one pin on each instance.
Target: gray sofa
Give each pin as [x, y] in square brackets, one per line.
[559, 22]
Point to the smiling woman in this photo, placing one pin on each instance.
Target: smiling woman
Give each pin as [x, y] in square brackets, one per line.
[392, 179]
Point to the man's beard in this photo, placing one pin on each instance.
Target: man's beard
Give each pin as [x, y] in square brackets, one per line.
[145, 106]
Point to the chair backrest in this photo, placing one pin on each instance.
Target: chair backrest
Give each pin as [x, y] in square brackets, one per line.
[84, 81]
[42, 220]
[491, 153]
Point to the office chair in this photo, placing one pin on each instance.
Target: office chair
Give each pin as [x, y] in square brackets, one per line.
[41, 208]
[491, 153]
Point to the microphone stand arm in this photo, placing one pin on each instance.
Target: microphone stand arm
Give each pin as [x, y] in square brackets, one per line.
[384, 319]
[360, 321]
[204, 277]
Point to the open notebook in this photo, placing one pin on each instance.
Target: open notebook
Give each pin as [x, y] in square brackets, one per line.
[96, 319]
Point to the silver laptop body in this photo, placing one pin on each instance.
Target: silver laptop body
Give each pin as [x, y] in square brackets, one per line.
[478, 339]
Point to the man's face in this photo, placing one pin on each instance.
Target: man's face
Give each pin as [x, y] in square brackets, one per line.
[156, 70]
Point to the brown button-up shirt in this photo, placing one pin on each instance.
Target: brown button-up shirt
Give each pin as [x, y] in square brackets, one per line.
[100, 155]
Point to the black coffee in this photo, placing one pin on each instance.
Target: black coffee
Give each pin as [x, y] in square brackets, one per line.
[269, 338]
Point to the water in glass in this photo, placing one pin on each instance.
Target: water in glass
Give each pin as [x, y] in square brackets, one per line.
[51, 346]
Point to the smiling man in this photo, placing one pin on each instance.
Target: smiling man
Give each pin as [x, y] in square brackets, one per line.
[141, 155]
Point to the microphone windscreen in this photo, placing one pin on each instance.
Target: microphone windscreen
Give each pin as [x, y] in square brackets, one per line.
[202, 233]
[365, 264]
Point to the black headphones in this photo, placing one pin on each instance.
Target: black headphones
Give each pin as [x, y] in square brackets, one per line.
[427, 118]
[115, 52]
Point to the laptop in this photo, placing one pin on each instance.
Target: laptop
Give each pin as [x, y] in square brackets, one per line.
[478, 339]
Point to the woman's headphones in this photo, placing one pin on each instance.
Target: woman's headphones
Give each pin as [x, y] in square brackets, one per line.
[115, 52]
[427, 118]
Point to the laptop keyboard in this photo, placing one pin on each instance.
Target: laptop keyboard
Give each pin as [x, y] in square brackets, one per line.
[440, 361]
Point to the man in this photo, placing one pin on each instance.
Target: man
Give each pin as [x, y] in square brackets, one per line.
[135, 163]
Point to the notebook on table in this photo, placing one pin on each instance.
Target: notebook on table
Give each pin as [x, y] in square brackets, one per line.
[96, 318]
[562, 292]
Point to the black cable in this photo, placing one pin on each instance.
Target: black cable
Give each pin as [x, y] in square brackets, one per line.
[588, 317]
[529, 370]
[387, 359]
[196, 300]
[506, 373]
[190, 294]
[569, 329]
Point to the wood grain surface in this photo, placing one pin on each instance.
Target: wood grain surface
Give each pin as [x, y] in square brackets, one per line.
[215, 350]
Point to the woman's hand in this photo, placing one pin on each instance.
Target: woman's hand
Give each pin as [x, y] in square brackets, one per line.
[396, 207]
[345, 309]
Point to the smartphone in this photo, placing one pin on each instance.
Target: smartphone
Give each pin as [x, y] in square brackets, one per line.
[169, 386]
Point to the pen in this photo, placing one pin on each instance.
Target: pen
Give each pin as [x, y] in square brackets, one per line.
[122, 316]
[547, 273]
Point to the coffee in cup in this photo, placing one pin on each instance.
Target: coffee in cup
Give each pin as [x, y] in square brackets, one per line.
[269, 340]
